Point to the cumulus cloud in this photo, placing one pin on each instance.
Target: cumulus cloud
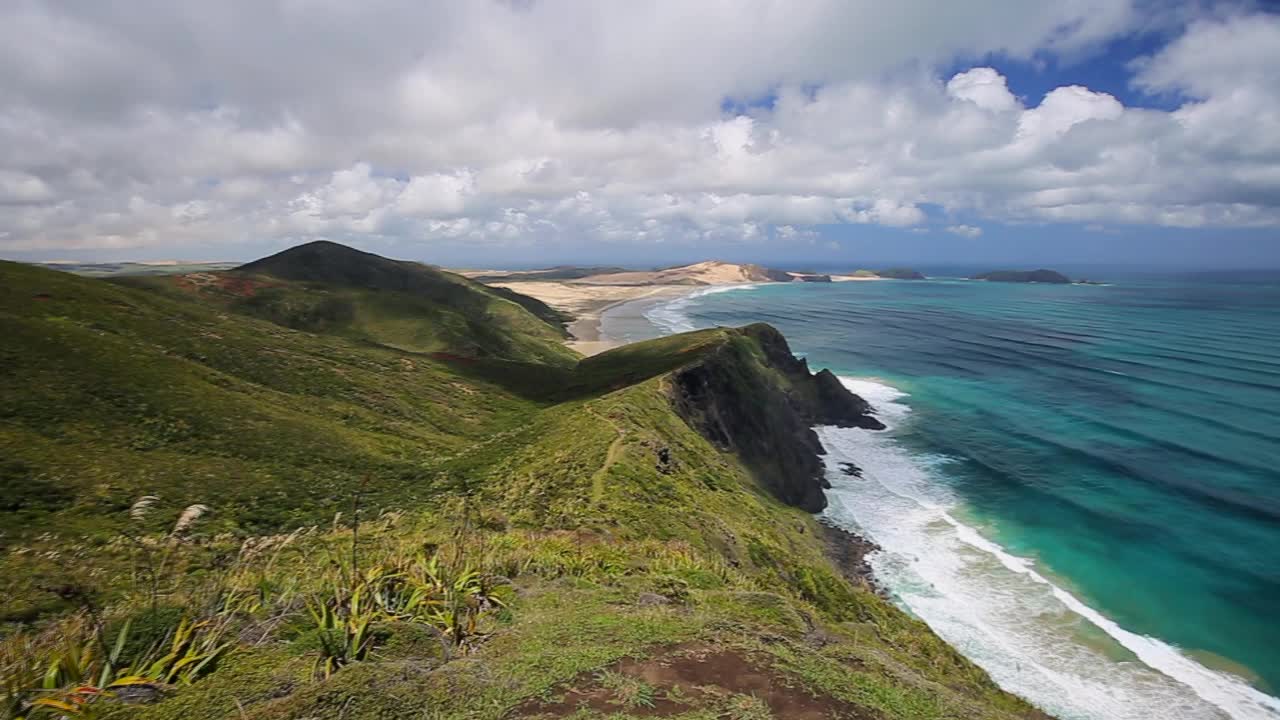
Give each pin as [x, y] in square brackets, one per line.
[984, 87]
[200, 123]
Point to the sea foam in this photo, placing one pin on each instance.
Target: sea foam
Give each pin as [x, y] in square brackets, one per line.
[672, 316]
[1028, 633]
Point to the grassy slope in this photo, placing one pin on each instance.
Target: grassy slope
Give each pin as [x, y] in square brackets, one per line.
[332, 289]
[126, 392]
[122, 391]
[746, 575]
[465, 316]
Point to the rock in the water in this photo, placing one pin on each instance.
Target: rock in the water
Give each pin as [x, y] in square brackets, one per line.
[850, 469]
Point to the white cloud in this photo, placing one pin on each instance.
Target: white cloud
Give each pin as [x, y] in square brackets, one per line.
[435, 194]
[985, 88]
[202, 123]
[969, 231]
[1064, 108]
[21, 187]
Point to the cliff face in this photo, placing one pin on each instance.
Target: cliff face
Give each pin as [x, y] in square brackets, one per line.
[752, 397]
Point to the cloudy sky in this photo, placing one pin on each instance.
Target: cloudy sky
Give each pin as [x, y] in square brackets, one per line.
[492, 132]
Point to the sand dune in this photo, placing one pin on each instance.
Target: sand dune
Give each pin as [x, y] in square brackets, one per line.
[711, 272]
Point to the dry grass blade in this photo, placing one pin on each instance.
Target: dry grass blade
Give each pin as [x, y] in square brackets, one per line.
[188, 518]
[138, 511]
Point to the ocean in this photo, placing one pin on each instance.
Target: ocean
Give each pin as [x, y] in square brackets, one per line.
[1080, 485]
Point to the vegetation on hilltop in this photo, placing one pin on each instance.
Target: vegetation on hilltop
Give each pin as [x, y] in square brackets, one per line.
[209, 513]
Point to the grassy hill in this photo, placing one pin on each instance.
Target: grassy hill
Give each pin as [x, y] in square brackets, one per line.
[324, 287]
[209, 511]
[124, 392]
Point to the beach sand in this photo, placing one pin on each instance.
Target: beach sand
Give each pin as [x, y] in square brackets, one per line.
[588, 303]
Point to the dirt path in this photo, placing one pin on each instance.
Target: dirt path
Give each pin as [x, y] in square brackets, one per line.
[610, 457]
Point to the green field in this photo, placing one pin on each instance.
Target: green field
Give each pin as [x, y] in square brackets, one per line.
[416, 503]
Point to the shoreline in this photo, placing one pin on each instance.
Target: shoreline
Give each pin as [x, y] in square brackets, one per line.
[1215, 681]
[588, 302]
[847, 549]
[587, 328]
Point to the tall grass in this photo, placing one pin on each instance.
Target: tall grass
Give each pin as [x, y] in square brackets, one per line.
[335, 593]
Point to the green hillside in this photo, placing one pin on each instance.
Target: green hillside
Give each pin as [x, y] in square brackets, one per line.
[116, 391]
[344, 524]
[323, 287]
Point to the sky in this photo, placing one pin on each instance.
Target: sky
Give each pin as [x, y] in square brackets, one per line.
[505, 133]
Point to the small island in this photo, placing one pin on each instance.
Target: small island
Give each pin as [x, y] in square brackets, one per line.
[900, 273]
[1025, 276]
[889, 274]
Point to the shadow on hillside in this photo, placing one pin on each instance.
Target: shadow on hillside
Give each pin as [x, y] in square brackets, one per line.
[596, 375]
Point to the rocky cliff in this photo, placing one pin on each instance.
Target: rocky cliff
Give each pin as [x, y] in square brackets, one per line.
[751, 396]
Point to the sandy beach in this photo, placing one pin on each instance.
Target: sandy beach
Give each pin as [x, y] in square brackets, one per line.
[588, 303]
[588, 296]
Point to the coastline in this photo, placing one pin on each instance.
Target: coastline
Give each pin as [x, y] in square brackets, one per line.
[589, 337]
[588, 302]
[854, 554]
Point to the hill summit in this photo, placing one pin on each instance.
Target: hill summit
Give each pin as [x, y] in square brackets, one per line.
[331, 263]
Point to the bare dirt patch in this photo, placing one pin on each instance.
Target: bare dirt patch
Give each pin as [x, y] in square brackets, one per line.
[687, 677]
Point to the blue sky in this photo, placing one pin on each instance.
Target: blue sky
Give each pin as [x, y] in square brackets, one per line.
[1143, 132]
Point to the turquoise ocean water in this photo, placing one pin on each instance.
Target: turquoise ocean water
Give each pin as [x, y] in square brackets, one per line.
[1080, 486]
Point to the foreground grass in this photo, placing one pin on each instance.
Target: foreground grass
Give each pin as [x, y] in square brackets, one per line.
[552, 612]
[566, 587]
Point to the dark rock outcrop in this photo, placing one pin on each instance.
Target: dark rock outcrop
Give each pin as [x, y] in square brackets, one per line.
[849, 552]
[760, 273]
[850, 469]
[752, 397]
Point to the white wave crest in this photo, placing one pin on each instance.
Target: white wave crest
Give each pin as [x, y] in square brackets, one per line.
[1032, 636]
[672, 316]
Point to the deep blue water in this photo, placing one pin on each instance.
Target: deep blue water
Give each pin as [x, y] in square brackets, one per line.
[1117, 446]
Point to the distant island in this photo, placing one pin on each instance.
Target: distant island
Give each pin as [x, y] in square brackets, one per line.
[1025, 276]
[899, 273]
[886, 274]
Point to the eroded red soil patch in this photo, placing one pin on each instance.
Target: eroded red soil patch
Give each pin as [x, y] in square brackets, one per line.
[229, 284]
[688, 677]
[450, 357]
